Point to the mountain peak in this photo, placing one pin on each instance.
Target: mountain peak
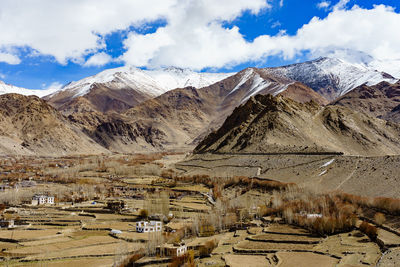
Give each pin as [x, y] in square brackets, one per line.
[331, 77]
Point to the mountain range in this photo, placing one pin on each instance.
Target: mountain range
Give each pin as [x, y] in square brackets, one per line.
[132, 110]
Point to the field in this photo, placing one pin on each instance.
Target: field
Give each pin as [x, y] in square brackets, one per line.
[210, 203]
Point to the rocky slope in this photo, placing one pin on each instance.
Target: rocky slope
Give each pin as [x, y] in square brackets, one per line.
[180, 118]
[381, 100]
[331, 77]
[30, 126]
[267, 124]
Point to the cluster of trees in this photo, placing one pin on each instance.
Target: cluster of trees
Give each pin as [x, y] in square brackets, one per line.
[220, 183]
[385, 204]
[322, 214]
[186, 260]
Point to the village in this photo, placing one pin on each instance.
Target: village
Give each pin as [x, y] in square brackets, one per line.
[125, 209]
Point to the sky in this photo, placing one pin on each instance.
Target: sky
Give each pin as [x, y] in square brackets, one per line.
[46, 43]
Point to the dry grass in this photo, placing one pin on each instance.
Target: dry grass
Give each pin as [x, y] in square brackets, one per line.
[305, 259]
[246, 261]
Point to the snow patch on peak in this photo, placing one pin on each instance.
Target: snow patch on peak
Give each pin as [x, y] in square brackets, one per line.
[327, 72]
[245, 77]
[259, 84]
[9, 89]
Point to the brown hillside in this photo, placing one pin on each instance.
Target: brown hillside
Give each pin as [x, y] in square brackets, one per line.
[267, 124]
[381, 100]
[28, 125]
[180, 118]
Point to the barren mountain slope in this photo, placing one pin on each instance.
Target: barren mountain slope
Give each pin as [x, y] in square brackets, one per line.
[182, 117]
[28, 125]
[381, 100]
[267, 124]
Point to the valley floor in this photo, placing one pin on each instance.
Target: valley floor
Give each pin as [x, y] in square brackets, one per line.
[76, 231]
[365, 176]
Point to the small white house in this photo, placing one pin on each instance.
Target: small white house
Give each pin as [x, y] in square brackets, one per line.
[4, 187]
[173, 250]
[115, 232]
[42, 200]
[181, 250]
[7, 224]
[314, 215]
[148, 226]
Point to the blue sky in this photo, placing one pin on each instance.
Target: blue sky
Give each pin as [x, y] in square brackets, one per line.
[257, 34]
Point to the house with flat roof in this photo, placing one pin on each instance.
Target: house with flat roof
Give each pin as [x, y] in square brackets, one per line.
[148, 226]
[7, 223]
[42, 200]
[172, 250]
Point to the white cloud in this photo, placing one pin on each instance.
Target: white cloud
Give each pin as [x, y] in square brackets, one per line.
[98, 60]
[276, 24]
[324, 5]
[53, 86]
[194, 38]
[2, 76]
[341, 4]
[281, 3]
[193, 35]
[70, 29]
[9, 58]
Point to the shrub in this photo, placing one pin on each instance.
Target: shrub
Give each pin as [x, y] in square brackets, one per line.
[207, 248]
[185, 260]
[143, 213]
[369, 230]
[130, 260]
[379, 218]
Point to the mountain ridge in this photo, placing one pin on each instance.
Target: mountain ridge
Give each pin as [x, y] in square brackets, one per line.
[268, 124]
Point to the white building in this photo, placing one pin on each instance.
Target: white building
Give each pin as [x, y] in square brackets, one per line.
[181, 250]
[115, 232]
[42, 199]
[173, 250]
[151, 226]
[314, 215]
[7, 224]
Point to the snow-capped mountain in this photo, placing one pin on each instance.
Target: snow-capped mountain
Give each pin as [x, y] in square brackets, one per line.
[257, 81]
[254, 81]
[8, 89]
[150, 82]
[390, 66]
[331, 77]
[122, 88]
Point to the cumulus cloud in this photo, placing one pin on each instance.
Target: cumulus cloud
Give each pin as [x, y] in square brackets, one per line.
[341, 4]
[195, 38]
[193, 35]
[367, 30]
[98, 60]
[70, 29]
[9, 58]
